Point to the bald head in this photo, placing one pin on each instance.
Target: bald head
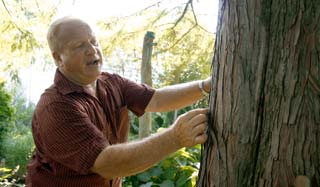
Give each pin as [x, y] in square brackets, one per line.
[54, 35]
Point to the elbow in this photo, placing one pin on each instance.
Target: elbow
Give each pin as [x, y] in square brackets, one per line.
[101, 166]
[102, 172]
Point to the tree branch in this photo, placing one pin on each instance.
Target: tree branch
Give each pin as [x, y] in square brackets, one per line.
[183, 14]
[176, 42]
[194, 14]
[5, 6]
[131, 15]
[185, 34]
[38, 7]
[190, 2]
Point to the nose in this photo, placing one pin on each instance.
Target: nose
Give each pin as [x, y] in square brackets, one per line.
[91, 49]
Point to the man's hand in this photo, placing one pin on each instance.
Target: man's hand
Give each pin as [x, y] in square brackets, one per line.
[190, 128]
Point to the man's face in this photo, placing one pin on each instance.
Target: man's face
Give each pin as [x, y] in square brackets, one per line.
[79, 57]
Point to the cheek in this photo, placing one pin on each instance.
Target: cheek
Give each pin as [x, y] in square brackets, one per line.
[73, 62]
[75, 57]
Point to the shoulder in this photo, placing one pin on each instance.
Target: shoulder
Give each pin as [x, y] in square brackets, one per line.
[113, 80]
[105, 76]
[52, 98]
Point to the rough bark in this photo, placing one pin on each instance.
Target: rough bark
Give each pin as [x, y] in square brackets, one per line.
[265, 101]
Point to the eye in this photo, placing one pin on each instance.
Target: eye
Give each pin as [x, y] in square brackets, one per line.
[79, 45]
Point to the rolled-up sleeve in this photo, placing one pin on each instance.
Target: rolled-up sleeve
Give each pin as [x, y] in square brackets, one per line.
[137, 96]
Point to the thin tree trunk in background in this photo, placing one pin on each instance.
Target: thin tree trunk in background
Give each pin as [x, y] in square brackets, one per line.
[265, 101]
[146, 77]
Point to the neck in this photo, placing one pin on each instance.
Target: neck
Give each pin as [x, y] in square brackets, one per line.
[92, 88]
[91, 84]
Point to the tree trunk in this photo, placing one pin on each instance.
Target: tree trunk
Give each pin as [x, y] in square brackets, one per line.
[265, 101]
[146, 77]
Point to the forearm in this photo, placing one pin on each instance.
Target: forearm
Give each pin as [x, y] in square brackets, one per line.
[175, 97]
[130, 158]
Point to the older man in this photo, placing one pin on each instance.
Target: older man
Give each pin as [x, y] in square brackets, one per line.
[80, 125]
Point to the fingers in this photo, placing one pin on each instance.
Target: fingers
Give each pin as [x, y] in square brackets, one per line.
[198, 119]
[201, 139]
[191, 114]
[190, 128]
[199, 132]
[200, 129]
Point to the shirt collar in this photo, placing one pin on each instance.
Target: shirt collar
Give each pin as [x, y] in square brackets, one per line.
[65, 86]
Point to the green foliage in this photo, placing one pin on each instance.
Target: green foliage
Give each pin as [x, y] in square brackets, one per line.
[16, 143]
[6, 115]
[22, 34]
[24, 109]
[5, 173]
[134, 127]
[165, 119]
[18, 148]
[188, 52]
[7, 177]
[183, 52]
[178, 170]
[6, 110]
[9, 172]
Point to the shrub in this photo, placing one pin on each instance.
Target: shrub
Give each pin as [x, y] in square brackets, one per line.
[7, 177]
[15, 136]
[6, 115]
[178, 170]
[18, 148]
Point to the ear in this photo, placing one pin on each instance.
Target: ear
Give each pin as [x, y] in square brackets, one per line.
[57, 58]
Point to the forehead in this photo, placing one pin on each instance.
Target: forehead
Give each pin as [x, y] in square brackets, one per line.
[74, 30]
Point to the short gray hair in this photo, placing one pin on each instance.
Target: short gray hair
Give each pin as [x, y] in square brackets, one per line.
[53, 31]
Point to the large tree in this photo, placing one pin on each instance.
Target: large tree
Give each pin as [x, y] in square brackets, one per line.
[265, 101]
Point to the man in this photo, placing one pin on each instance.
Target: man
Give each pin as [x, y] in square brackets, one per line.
[80, 125]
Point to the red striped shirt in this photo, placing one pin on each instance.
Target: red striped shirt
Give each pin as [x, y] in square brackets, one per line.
[71, 127]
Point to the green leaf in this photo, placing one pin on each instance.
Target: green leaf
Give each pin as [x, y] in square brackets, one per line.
[188, 169]
[166, 163]
[5, 170]
[149, 184]
[159, 120]
[182, 180]
[144, 177]
[5, 176]
[170, 173]
[13, 47]
[167, 183]
[157, 171]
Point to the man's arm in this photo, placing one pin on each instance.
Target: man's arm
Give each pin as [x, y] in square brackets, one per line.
[177, 96]
[130, 158]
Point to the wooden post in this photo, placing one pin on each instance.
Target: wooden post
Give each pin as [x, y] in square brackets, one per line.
[146, 77]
